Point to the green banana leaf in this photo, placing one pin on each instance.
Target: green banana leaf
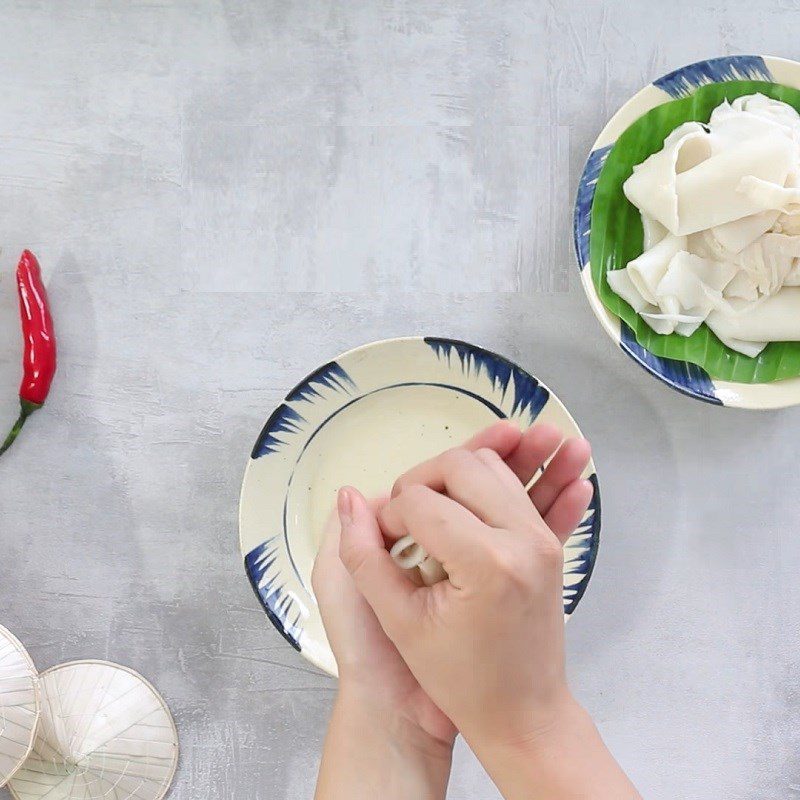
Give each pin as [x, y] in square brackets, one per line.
[617, 237]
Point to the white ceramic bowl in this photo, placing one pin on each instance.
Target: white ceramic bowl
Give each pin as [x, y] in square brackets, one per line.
[364, 419]
[681, 375]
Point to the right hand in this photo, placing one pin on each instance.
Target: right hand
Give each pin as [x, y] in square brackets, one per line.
[487, 644]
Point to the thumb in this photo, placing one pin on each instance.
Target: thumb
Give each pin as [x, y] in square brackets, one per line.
[361, 548]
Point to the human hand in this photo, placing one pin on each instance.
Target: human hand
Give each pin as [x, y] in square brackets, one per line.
[384, 730]
[370, 668]
[368, 662]
[386, 735]
[487, 644]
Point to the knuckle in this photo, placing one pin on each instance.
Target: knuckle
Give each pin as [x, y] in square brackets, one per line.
[399, 485]
[384, 517]
[486, 454]
[505, 562]
[413, 493]
[530, 525]
[549, 551]
[456, 458]
[445, 525]
[514, 568]
[361, 564]
[351, 556]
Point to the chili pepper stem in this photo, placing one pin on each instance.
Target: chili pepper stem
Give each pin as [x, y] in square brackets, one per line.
[26, 409]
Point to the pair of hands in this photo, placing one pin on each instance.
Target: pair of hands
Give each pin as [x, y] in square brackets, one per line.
[482, 652]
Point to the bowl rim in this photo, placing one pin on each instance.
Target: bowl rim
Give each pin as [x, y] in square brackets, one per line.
[684, 377]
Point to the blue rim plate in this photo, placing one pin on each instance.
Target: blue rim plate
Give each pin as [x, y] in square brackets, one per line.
[687, 378]
[363, 419]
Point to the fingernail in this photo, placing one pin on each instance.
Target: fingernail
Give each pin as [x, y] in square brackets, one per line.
[344, 502]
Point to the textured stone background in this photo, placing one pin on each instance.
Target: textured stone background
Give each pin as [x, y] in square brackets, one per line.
[224, 194]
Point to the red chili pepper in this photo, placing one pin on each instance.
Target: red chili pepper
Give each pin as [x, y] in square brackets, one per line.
[39, 362]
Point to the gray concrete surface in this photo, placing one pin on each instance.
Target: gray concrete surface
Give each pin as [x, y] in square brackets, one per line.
[226, 193]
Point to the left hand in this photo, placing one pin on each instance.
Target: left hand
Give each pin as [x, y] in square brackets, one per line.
[369, 664]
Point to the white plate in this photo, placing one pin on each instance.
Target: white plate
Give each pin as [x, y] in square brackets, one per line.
[364, 419]
[680, 375]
